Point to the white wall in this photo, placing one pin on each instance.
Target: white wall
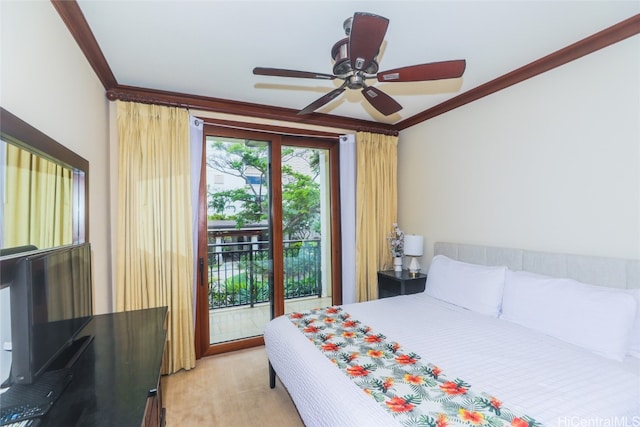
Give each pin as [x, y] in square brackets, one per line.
[550, 164]
[47, 82]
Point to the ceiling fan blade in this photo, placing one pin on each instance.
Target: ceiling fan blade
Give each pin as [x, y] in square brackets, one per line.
[381, 101]
[322, 100]
[367, 34]
[423, 72]
[279, 72]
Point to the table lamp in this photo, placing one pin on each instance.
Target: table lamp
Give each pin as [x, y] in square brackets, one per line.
[413, 246]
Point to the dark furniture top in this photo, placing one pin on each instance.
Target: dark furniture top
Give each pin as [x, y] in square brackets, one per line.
[392, 283]
[116, 373]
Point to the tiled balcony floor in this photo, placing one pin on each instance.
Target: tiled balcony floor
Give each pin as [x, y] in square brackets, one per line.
[227, 324]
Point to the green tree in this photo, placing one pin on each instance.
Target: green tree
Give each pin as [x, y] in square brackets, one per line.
[249, 160]
[300, 204]
[246, 161]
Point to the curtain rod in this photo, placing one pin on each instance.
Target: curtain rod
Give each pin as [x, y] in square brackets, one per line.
[256, 127]
[289, 131]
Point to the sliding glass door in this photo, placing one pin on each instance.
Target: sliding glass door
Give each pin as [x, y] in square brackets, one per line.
[268, 235]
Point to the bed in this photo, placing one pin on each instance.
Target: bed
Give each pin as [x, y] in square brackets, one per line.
[531, 338]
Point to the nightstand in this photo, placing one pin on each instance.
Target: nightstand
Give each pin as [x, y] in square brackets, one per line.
[392, 283]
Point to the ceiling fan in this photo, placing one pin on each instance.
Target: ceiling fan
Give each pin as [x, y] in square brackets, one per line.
[356, 61]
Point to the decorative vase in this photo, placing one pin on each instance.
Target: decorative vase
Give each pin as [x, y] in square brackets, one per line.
[397, 263]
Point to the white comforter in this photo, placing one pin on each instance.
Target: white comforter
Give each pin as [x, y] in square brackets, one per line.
[555, 382]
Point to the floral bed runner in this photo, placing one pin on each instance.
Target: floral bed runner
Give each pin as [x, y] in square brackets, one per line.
[415, 393]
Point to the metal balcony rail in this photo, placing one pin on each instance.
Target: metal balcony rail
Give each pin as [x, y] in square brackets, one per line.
[239, 272]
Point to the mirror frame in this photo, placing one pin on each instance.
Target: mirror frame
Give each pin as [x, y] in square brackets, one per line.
[16, 131]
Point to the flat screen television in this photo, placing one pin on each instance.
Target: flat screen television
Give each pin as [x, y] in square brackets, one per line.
[51, 303]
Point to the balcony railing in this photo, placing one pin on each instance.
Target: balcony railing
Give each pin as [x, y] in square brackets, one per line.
[239, 272]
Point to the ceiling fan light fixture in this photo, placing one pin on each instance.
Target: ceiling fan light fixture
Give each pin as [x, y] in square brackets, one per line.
[342, 62]
[340, 55]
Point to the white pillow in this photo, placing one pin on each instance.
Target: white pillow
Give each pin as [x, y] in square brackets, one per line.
[634, 343]
[594, 317]
[472, 286]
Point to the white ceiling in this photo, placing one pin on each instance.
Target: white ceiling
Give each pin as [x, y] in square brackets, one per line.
[209, 48]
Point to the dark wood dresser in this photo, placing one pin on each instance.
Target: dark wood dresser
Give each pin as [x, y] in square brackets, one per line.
[116, 380]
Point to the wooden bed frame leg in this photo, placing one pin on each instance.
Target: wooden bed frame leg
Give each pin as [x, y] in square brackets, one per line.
[272, 377]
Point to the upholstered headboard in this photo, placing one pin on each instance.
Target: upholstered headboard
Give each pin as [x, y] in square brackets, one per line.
[611, 272]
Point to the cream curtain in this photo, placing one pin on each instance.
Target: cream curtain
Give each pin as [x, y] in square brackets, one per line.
[41, 216]
[154, 264]
[376, 208]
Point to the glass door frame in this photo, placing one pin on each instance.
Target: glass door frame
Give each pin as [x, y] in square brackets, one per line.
[276, 142]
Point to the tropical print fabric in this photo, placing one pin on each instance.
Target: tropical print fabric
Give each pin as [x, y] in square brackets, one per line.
[414, 392]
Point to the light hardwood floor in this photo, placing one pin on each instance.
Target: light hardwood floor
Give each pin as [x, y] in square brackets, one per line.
[228, 390]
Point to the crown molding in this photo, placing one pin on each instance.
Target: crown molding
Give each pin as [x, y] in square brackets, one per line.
[75, 21]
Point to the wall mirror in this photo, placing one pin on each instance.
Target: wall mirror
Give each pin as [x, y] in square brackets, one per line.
[44, 189]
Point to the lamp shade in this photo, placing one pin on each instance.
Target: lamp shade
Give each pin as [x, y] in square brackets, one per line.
[413, 245]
